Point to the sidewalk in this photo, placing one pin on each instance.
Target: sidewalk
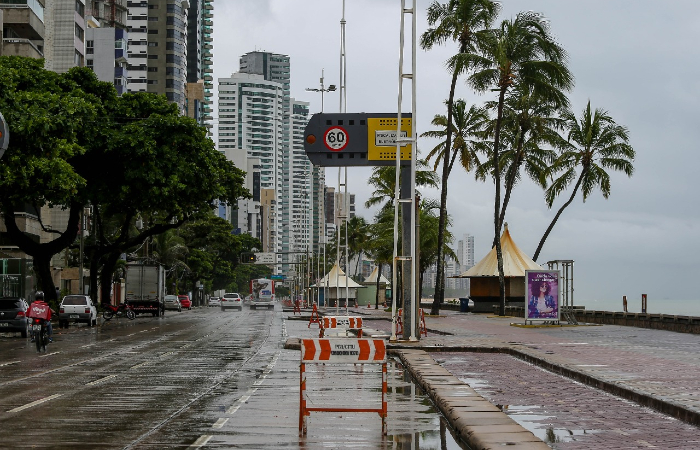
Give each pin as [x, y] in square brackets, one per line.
[653, 368]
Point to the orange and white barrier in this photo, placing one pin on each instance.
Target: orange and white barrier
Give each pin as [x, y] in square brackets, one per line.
[340, 351]
[315, 318]
[340, 322]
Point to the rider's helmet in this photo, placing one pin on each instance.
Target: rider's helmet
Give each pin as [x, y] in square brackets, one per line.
[39, 295]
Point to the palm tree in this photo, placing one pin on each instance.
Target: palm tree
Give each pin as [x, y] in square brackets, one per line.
[465, 22]
[520, 51]
[530, 130]
[429, 230]
[381, 243]
[383, 179]
[358, 236]
[596, 143]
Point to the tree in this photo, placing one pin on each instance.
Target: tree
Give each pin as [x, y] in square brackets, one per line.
[381, 244]
[465, 22]
[520, 51]
[530, 132]
[53, 119]
[383, 179]
[596, 143]
[469, 128]
[429, 230]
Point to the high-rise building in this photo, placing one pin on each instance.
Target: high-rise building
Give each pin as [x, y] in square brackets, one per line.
[200, 86]
[64, 37]
[106, 41]
[250, 127]
[157, 51]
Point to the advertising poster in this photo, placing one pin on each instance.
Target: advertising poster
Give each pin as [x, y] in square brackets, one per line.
[542, 290]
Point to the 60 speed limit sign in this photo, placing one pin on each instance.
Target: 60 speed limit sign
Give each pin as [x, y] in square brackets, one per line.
[336, 139]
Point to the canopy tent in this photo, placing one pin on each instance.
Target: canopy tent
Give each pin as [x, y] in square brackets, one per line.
[515, 261]
[372, 279]
[334, 283]
[483, 287]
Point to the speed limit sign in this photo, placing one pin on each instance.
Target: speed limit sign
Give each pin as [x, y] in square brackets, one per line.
[336, 139]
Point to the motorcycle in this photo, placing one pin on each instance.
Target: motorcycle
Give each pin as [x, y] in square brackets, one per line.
[124, 309]
[41, 335]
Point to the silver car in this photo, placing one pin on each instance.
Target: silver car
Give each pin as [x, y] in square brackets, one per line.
[231, 300]
[172, 302]
[214, 301]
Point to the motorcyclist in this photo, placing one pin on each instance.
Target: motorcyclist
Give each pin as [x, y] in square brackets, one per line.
[39, 300]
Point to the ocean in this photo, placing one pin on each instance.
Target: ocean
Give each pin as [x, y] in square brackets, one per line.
[654, 306]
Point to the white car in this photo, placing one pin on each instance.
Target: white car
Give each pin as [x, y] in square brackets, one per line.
[231, 300]
[214, 301]
[172, 302]
[77, 308]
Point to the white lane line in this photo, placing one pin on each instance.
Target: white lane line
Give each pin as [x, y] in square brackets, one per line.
[9, 363]
[92, 383]
[38, 402]
[220, 423]
[240, 402]
[201, 442]
[84, 346]
[49, 354]
[140, 365]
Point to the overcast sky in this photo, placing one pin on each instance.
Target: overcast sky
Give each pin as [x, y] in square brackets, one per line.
[637, 59]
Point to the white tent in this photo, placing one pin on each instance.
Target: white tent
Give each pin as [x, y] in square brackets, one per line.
[334, 282]
[372, 279]
[515, 261]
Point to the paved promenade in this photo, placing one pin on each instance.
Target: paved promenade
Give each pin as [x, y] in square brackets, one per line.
[504, 364]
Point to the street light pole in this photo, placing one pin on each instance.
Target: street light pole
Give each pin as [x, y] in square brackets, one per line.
[323, 89]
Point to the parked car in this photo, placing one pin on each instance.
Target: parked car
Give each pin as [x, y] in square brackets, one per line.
[172, 302]
[77, 308]
[231, 300]
[185, 301]
[13, 315]
[214, 301]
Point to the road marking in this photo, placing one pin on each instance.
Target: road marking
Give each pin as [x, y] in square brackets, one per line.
[7, 364]
[84, 346]
[92, 383]
[202, 441]
[140, 365]
[241, 401]
[220, 423]
[49, 354]
[38, 402]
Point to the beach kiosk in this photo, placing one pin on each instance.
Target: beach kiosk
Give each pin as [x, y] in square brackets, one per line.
[335, 283]
[484, 290]
[368, 296]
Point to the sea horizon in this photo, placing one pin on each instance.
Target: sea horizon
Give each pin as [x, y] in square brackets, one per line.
[654, 306]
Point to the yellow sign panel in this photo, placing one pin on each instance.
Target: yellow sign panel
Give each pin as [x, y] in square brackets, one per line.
[381, 139]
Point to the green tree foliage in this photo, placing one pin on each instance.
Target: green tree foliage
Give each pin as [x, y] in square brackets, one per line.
[465, 22]
[595, 144]
[521, 51]
[74, 142]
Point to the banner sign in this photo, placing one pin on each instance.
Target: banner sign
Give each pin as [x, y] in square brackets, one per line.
[542, 295]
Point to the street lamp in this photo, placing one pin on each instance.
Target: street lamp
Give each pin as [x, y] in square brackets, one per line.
[323, 89]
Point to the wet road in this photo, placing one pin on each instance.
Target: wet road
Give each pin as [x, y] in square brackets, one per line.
[197, 379]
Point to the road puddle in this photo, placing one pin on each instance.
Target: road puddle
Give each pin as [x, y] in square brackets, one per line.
[535, 419]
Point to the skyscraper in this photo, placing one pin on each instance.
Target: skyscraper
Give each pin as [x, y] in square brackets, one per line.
[198, 104]
[158, 48]
[64, 39]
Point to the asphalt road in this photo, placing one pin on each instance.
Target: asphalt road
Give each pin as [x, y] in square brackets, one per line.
[197, 379]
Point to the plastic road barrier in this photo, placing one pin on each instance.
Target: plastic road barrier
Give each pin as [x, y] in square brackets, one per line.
[340, 351]
[340, 322]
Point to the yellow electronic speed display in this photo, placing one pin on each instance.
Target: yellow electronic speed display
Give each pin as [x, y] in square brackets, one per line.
[381, 138]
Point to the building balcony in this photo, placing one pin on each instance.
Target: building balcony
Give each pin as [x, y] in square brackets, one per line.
[208, 78]
[208, 70]
[23, 22]
[21, 47]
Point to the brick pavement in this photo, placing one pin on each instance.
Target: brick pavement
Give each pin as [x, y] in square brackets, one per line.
[658, 366]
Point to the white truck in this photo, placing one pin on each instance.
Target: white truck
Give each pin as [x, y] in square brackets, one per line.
[145, 288]
[263, 293]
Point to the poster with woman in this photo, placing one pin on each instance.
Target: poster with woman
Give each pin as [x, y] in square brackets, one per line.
[542, 289]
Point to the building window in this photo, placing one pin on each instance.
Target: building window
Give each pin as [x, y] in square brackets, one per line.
[153, 69]
[78, 59]
[153, 44]
[80, 8]
[79, 32]
[88, 63]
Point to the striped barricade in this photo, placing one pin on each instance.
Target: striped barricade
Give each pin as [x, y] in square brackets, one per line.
[340, 351]
[340, 322]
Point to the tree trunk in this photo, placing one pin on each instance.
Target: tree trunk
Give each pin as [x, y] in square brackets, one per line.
[379, 276]
[556, 217]
[497, 205]
[442, 224]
